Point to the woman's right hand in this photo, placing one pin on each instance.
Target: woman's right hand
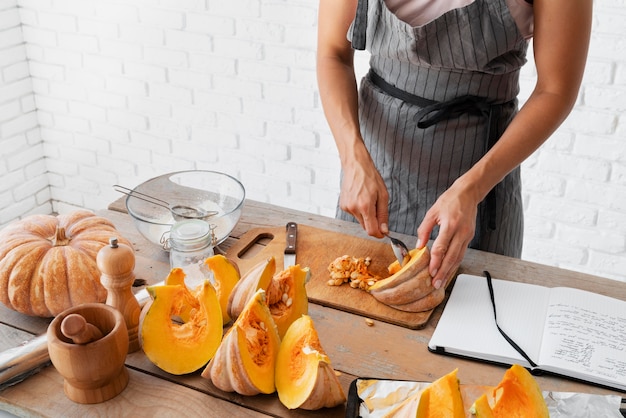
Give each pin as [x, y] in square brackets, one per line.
[364, 194]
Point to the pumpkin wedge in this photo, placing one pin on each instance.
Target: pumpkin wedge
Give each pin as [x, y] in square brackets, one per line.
[304, 376]
[180, 348]
[442, 399]
[287, 298]
[408, 285]
[246, 358]
[226, 274]
[481, 407]
[517, 395]
[258, 277]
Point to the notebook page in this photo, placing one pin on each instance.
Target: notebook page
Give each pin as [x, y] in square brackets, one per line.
[586, 333]
[467, 325]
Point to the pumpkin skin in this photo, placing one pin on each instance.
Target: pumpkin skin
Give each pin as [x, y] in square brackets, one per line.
[305, 378]
[409, 288]
[287, 298]
[48, 263]
[517, 395]
[258, 277]
[442, 399]
[187, 347]
[226, 274]
[245, 360]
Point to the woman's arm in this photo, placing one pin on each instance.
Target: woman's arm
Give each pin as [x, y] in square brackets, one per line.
[560, 41]
[363, 192]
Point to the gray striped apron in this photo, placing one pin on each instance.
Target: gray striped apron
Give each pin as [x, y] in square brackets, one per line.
[436, 98]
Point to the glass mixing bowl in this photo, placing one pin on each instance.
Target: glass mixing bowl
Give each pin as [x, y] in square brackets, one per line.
[209, 191]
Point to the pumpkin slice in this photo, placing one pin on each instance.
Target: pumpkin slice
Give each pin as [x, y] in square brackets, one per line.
[246, 358]
[287, 298]
[181, 348]
[517, 395]
[408, 284]
[425, 303]
[304, 376]
[481, 407]
[442, 399]
[226, 274]
[258, 277]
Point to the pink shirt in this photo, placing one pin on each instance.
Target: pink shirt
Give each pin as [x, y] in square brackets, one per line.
[420, 12]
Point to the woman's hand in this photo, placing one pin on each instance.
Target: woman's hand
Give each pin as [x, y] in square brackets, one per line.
[561, 39]
[455, 213]
[364, 194]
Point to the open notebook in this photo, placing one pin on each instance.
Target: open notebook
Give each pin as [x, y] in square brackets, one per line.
[565, 331]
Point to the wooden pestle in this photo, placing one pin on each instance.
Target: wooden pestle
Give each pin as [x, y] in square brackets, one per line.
[77, 329]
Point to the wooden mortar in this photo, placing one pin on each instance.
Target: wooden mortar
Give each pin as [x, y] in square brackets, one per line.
[93, 372]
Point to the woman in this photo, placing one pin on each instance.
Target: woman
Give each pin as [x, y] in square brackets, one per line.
[432, 141]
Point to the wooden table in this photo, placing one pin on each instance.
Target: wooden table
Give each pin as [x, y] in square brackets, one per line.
[355, 349]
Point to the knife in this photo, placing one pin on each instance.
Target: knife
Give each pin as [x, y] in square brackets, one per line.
[290, 249]
[400, 250]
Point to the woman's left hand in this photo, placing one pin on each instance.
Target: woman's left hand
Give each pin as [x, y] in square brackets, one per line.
[455, 213]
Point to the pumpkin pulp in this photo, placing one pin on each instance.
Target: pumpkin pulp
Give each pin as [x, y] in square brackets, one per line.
[258, 342]
[287, 298]
[396, 271]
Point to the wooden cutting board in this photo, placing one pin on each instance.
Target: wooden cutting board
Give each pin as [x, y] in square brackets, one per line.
[316, 249]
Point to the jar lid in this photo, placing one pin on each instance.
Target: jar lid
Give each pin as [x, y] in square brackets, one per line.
[191, 234]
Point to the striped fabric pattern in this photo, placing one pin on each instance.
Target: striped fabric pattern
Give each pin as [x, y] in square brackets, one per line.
[475, 50]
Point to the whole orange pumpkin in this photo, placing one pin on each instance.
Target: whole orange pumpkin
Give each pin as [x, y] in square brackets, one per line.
[48, 263]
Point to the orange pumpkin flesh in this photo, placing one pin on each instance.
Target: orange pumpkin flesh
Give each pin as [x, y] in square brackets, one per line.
[442, 399]
[287, 298]
[517, 395]
[304, 376]
[48, 263]
[181, 348]
[226, 274]
[481, 408]
[180, 306]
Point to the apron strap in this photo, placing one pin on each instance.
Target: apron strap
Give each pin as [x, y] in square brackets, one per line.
[359, 29]
[433, 112]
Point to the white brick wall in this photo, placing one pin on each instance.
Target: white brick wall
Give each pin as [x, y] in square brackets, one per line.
[24, 185]
[128, 89]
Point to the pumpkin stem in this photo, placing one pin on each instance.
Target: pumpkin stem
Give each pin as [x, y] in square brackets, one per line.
[60, 239]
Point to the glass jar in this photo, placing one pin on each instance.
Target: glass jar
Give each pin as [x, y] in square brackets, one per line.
[191, 242]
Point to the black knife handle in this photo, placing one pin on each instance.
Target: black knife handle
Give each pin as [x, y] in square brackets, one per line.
[292, 232]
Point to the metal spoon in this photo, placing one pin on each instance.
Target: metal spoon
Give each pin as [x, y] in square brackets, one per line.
[400, 250]
[179, 212]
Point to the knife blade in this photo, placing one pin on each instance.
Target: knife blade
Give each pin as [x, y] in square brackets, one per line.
[289, 258]
[400, 250]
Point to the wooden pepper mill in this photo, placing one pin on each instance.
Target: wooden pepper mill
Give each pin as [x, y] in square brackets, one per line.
[116, 263]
